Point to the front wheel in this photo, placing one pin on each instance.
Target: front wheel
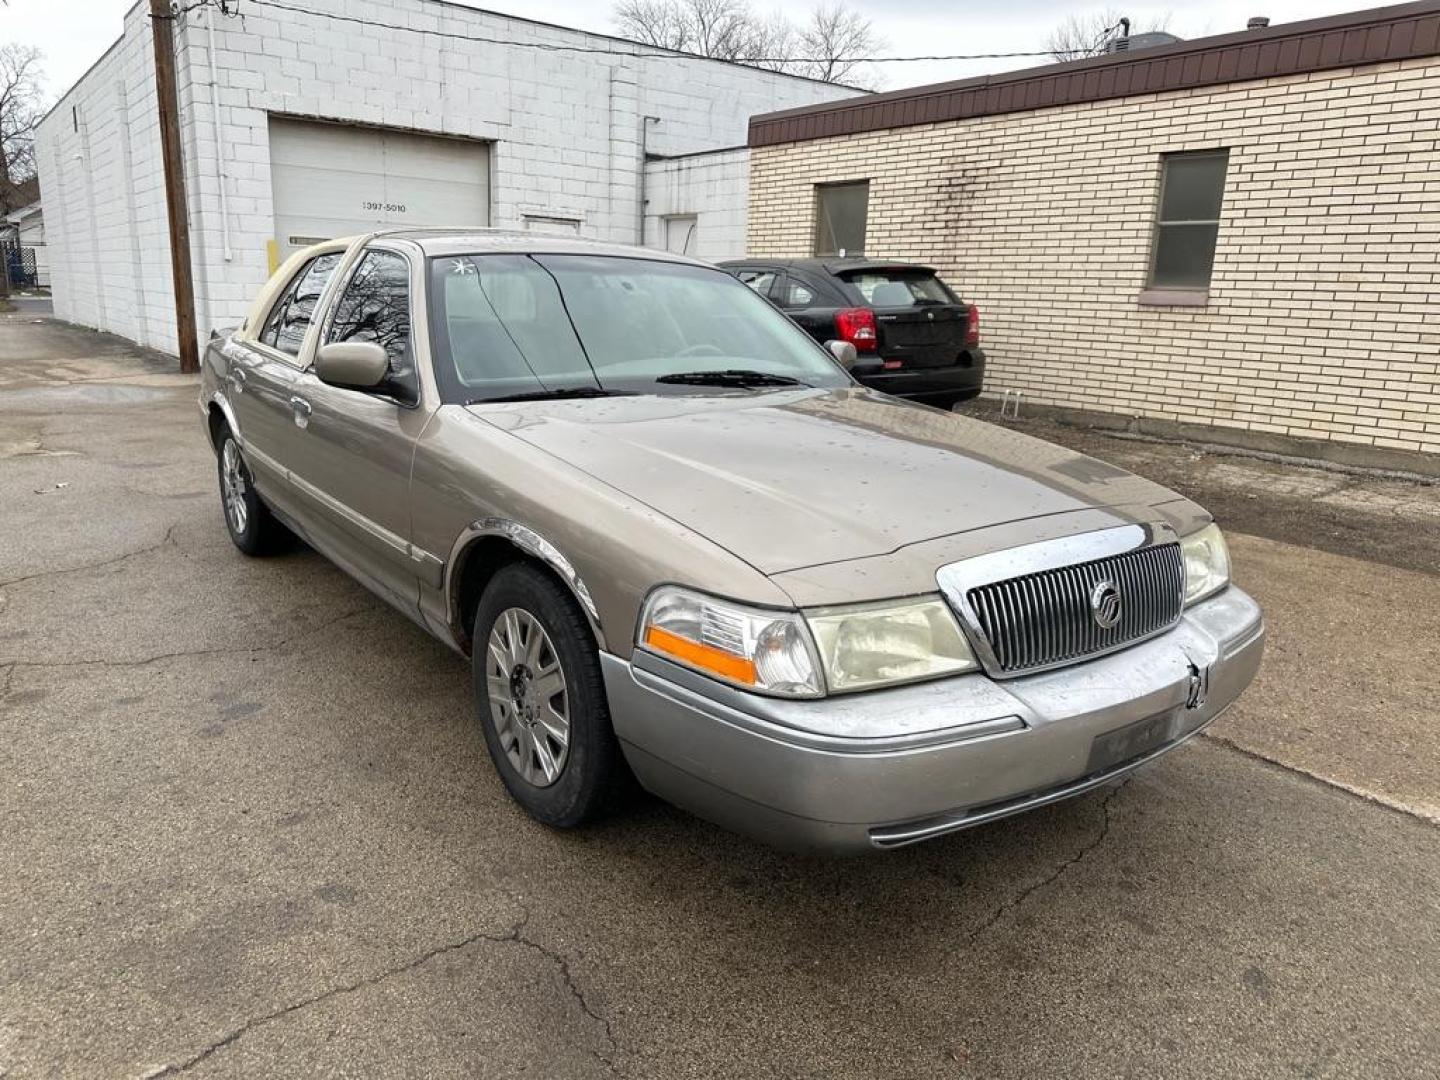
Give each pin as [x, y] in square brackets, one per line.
[252, 527]
[541, 699]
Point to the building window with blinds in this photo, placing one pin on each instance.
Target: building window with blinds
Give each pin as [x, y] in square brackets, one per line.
[1192, 186]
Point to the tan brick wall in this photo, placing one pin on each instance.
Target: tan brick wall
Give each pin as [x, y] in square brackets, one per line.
[1324, 313]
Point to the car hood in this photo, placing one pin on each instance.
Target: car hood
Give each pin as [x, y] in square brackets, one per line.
[795, 479]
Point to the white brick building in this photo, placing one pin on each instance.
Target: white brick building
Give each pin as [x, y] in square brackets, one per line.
[1039, 195]
[696, 203]
[531, 126]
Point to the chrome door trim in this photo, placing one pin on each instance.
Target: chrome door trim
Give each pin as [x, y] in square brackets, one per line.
[530, 542]
[279, 356]
[430, 567]
[958, 578]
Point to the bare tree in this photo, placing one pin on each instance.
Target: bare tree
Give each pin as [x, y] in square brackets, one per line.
[827, 46]
[834, 39]
[724, 29]
[1080, 36]
[21, 102]
[662, 23]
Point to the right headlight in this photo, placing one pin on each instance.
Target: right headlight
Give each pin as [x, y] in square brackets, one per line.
[1207, 563]
[754, 648]
[795, 654]
[889, 642]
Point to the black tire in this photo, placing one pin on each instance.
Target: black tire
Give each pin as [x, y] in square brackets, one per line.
[592, 773]
[251, 525]
[949, 402]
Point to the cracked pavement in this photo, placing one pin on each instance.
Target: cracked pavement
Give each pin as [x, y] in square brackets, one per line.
[250, 827]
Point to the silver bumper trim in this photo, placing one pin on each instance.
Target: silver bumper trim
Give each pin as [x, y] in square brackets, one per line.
[899, 835]
[888, 767]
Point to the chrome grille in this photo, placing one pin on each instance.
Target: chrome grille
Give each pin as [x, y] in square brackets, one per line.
[1046, 619]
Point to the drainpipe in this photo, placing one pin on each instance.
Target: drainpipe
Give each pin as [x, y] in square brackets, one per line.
[645, 122]
[219, 138]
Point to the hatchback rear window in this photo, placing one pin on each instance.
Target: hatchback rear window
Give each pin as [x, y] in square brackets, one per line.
[899, 288]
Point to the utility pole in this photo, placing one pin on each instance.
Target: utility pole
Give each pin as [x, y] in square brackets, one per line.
[167, 99]
[4, 209]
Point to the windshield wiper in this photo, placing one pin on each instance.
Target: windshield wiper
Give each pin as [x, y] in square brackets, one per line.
[553, 394]
[738, 377]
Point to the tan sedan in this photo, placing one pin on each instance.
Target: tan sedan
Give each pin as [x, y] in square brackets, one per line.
[675, 537]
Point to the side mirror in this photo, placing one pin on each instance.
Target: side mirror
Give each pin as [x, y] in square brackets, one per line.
[844, 352]
[355, 365]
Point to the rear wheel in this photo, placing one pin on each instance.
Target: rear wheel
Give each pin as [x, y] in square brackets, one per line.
[252, 527]
[541, 699]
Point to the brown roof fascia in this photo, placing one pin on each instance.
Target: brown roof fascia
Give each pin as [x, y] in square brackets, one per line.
[1402, 32]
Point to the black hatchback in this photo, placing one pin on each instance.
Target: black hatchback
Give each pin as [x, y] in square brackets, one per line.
[912, 335]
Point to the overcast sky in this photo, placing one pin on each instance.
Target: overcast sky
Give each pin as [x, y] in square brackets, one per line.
[73, 33]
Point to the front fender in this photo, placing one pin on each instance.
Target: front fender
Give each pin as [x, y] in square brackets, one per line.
[531, 543]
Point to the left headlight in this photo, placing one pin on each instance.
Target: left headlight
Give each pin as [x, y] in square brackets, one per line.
[753, 648]
[1207, 563]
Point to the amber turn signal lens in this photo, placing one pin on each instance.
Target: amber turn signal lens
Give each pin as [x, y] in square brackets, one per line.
[735, 668]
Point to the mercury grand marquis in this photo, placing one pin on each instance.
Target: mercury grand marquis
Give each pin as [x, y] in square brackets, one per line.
[677, 540]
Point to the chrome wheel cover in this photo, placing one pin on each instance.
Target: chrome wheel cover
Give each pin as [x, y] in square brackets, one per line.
[529, 699]
[233, 487]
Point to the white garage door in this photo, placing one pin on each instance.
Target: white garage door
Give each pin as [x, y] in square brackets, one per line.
[333, 180]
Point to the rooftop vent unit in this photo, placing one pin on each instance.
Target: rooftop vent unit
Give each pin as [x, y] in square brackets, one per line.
[1259, 22]
[1140, 41]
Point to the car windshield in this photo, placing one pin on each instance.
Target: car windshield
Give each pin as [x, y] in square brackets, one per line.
[521, 325]
[899, 287]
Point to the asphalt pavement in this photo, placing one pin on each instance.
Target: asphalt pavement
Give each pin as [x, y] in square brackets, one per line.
[249, 826]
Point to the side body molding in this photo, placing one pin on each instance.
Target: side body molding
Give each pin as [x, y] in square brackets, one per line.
[533, 544]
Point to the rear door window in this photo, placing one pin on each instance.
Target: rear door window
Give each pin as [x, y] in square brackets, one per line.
[289, 320]
[762, 281]
[796, 294]
[899, 288]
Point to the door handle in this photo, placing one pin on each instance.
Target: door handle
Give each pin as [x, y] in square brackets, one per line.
[301, 409]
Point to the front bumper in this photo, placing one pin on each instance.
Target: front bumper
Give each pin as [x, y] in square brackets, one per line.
[891, 767]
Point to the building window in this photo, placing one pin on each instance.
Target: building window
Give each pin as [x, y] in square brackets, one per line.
[840, 218]
[548, 223]
[1191, 188]
[680, 233]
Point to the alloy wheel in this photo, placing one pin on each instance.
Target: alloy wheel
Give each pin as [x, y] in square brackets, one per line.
[234, 487]
[529, 702]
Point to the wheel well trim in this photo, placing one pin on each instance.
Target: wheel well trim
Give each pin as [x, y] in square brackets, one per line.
[529, 542]
[217, 400]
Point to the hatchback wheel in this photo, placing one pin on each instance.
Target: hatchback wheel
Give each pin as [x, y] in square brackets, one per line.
[541, 699]
[248, 520]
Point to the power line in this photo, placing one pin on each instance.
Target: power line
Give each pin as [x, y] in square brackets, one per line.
[231, 7]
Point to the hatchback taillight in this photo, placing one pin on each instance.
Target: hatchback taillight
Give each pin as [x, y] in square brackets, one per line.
[857, 326]
[972, 326]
